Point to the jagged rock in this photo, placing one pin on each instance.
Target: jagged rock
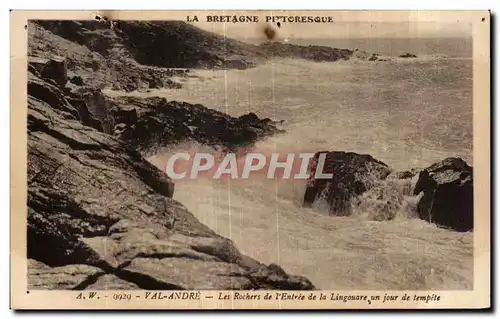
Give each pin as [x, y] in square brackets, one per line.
[108, 67]
[448, 194]
[47, 90]
[44, 91]
[353, 174]
[144, 42]
[408, 55]
[155, 122]
[101, 217]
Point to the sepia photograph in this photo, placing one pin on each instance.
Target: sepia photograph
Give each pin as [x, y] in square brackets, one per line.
[228, 153]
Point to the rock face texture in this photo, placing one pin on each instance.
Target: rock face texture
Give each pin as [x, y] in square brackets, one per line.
[156, 122]
[102, 217]
[95, 55]
[353, 174]
[448, 194]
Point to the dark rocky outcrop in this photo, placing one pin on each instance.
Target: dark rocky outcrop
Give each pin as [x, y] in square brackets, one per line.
[52, 69]
[155, 122]
[166, 44]
[448, 194]
[353, 174]
[94, 53]
[102, 217]
[408, 55]
[364, 184]
[187, 46]
[311, 52]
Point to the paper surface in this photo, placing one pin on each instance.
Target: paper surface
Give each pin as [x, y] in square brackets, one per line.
[250, 159]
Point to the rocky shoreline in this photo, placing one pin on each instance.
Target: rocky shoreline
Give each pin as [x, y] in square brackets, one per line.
[102, 217]
[99, 215]
[446, 189]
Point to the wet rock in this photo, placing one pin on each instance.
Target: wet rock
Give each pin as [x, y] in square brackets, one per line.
[353, 174]
[448, 194]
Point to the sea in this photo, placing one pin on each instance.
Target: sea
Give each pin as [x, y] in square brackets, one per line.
[408, 113]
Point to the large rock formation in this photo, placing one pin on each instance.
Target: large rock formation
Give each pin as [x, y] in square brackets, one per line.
[353, 174]
[165, 44]
[155, 122]
[363, 184]
[311, 52]
[91, 60]
[448, 194]
[101, 217]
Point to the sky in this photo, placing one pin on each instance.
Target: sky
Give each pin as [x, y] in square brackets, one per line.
[342, 30]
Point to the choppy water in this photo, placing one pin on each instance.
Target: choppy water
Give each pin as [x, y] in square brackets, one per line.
[407, 113]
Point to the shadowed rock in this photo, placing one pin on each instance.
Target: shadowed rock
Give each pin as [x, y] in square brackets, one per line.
[155, 122]
[448, 194]
[353, 174]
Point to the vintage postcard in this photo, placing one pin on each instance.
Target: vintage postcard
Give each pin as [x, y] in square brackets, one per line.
[250, 159]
